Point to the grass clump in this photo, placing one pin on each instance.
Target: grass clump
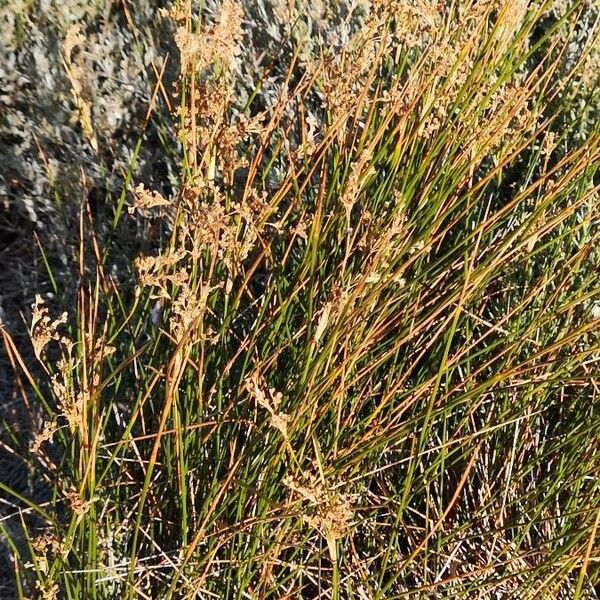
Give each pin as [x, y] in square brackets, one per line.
[359, 358]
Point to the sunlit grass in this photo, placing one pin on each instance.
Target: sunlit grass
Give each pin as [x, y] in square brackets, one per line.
[362, 362]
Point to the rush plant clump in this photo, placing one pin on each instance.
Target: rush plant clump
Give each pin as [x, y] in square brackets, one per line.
[357, 353]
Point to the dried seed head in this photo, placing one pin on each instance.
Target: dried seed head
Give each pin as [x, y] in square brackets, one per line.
[145, 200]
[76, 72]
[269, 399]
[43, 329]
[187, 310]
[70, 403]
[311, 489]
[46, 546]
[280, 421]
[219, 43]
[158, 271]
[45, 435]
[331, 513]
[48, 591]
[333, 521]
[78, 506]
[176, 13]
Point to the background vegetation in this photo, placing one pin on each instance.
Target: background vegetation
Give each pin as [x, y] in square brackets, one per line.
[331, 294]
